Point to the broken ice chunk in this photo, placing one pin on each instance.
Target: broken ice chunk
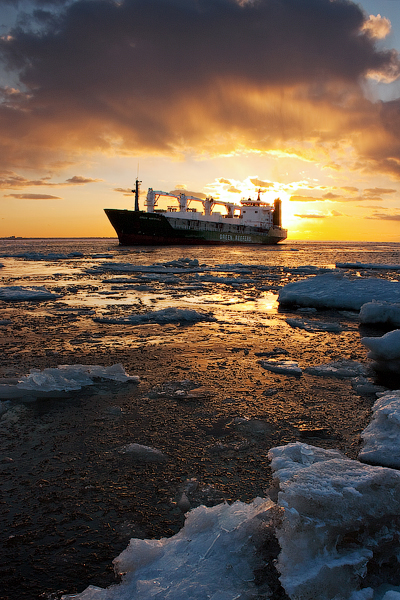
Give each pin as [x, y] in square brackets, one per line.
[381, 437]
[340, 529]
[144, 453]
[286, 367]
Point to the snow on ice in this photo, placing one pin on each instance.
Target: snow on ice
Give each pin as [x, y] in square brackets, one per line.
[380, 312]
[384, 351]
[381, 438]
[337, 291]
[64, 378]
[15, 293]
[163, 316]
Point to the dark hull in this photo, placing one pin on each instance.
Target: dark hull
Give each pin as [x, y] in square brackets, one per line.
[138, 228]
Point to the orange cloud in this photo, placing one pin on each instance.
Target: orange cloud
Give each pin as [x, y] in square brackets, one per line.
[32, 196]
[10, 180]
[162, 78]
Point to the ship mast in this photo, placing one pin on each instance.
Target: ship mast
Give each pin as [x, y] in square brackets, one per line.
[136, 192]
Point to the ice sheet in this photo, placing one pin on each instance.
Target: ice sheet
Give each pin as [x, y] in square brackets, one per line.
[337, 291]
[15, 293]
[163, 316]
[380, 312]
[376, 266]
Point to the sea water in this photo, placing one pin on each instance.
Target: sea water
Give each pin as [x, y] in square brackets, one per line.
[70, 499]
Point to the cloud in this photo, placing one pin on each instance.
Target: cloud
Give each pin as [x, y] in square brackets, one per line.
[299, 198]
[79, 180]
[384, 217]
[188, 193]
[11, 180]
[373, 192]
[261, 184]
[350, 189]
[32, 196]
[311, 216]
[209, 76]
[330, 196]
[124, 191]
[377, 27]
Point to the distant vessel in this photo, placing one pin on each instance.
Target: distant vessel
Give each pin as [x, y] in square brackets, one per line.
[250, 222]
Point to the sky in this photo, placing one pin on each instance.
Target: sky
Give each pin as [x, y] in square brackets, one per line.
[300, 98]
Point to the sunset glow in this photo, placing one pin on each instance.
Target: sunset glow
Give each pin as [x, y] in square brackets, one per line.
[300, 99]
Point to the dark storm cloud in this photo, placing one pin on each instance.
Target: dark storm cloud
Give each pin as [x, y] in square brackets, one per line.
[164, 75]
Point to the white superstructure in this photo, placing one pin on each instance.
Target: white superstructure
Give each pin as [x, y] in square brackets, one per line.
[249, 212]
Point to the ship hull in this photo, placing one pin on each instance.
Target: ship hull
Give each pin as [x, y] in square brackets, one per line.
[138, 228]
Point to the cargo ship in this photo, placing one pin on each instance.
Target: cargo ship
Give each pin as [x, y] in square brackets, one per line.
[250, 222]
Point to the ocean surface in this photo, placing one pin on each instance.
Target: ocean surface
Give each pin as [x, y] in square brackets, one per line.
[194, 325]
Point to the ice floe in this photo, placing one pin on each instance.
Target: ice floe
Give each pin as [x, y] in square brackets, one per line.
[39, 256]
[385, 313]
[163, 316]
[340, 369]
[16, 293]
[384, 351]
[312, 326]
[63, 378]
[381, 437]
[213, 556]
[340, 527]
[286, 367]
[144, 453]
[337, 291]
[360, 265]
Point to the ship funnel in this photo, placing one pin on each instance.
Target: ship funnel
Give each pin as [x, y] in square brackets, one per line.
[277, 216]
